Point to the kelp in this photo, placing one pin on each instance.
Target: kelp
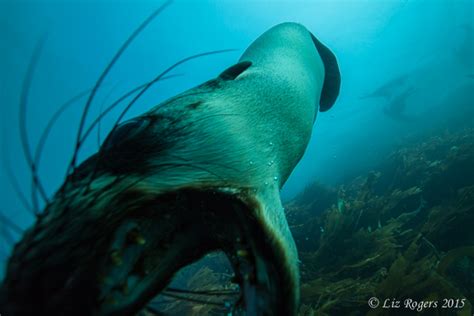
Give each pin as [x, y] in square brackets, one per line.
[404, 234]
[399, 232]
[197, 289]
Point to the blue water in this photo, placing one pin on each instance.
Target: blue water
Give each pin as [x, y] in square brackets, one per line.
[375, 41]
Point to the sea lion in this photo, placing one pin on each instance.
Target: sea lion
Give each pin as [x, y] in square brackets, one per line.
[388, 89]
[199, 172]
[396, 108]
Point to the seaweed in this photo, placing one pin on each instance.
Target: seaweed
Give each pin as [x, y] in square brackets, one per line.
[403, 234]
[401, 231]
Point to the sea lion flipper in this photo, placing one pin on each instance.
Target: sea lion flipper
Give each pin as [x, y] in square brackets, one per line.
[332, 77]
[275, 249]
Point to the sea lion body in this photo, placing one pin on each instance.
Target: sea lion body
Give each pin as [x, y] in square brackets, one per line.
[253, 128]
[199, 172]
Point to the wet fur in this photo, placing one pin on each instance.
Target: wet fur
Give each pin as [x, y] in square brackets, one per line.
[216, 154]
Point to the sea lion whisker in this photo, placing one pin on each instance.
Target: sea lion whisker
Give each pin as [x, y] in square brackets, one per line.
[25, 90]
[56, 115]
[13, 180]
[10, 224]
[102, 113]
[7, 237]
[180, 62]
[114, 105]
[103, 75]
[106, 99]
[151, 83]
[51, 122]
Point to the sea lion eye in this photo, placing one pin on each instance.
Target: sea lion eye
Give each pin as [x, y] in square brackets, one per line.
[125, 131]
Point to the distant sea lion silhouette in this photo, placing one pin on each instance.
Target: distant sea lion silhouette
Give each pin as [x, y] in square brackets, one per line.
[387, 89]
[199, 172]
[465, 49]
[395, 109]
